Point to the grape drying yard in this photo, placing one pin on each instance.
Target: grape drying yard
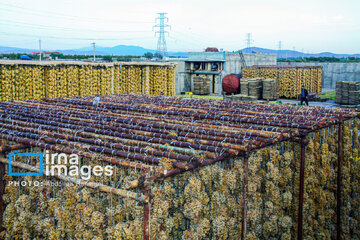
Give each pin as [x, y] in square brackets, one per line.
[183, 168]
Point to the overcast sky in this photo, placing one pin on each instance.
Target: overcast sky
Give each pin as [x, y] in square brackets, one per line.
[309, 25]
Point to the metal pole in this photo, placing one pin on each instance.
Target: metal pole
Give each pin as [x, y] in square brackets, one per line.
[147, 192]
[245, 191]
[40, 49]
[2, 186]
[94, 51]
[146, 221]
[339, 176]
[301, 189]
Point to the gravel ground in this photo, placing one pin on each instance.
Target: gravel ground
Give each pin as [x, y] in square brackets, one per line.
[329, 103]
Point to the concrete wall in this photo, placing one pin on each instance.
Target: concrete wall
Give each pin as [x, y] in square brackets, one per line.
[333, 72]
[180, 84]
[233, 62]
[206, 56]
[179, 77]
[232, 65]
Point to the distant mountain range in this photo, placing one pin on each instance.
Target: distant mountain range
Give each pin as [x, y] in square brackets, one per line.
[15, 50]
[295, 54]
[121, 50]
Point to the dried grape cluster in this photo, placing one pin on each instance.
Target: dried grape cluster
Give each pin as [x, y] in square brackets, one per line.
[187, 156]
[19, 81]
[199, 205]
[70, 211]
[290, 78]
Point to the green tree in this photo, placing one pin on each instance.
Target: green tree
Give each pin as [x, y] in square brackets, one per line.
[158, 55]
[148, 55]
[54, 55]
[107, 58]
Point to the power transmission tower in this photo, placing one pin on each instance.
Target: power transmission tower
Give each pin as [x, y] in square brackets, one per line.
[280, 45]
[248, 40]
[161, 45]
[94, 50]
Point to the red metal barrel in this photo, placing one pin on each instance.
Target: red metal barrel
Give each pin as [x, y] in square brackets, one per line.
[231, 83]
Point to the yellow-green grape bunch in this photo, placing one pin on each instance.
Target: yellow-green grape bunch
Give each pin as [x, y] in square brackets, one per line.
[123, 72]
[88, 81]
[50, 82]
[268, 73]
[250, 72]
[38, 82]
[5, 82]
[170, 78]
[73, 81]
[97, 81]
[28, 82]
[290, 79]
[117, 82]
[346, 178]
[158, 80]
[108, 72]
[134, 79]
[354, 182]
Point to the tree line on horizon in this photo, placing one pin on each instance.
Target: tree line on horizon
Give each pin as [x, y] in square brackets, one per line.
[319, 59]
[157, 56]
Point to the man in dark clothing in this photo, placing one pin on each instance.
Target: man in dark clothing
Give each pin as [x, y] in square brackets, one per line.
[304, 96]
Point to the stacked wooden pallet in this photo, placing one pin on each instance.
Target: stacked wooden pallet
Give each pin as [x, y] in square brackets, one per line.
[259, 88]
[255, 87]
[244, 86]
[270, 89]
[347, 92]
[354, 93]
[201, 85]
[241, 97]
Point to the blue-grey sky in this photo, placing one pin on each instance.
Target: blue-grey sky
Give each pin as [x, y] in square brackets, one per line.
[312, 26]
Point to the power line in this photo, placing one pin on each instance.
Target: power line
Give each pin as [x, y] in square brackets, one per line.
[161, 45]
[40, 26]
[56, 14]
[190, 43]
[191, 34]
[73, 38]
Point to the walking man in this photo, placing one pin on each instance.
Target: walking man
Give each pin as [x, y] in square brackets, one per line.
[304, 96]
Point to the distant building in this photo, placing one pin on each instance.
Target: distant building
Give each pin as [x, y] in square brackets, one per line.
[215, 66]
[211, 49]
[45, 54]
[25, 57]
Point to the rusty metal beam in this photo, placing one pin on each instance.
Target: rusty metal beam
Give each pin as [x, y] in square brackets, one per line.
[13, 147]
[177, 171]
[2, 186]
[146, 188]
[146, 221]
